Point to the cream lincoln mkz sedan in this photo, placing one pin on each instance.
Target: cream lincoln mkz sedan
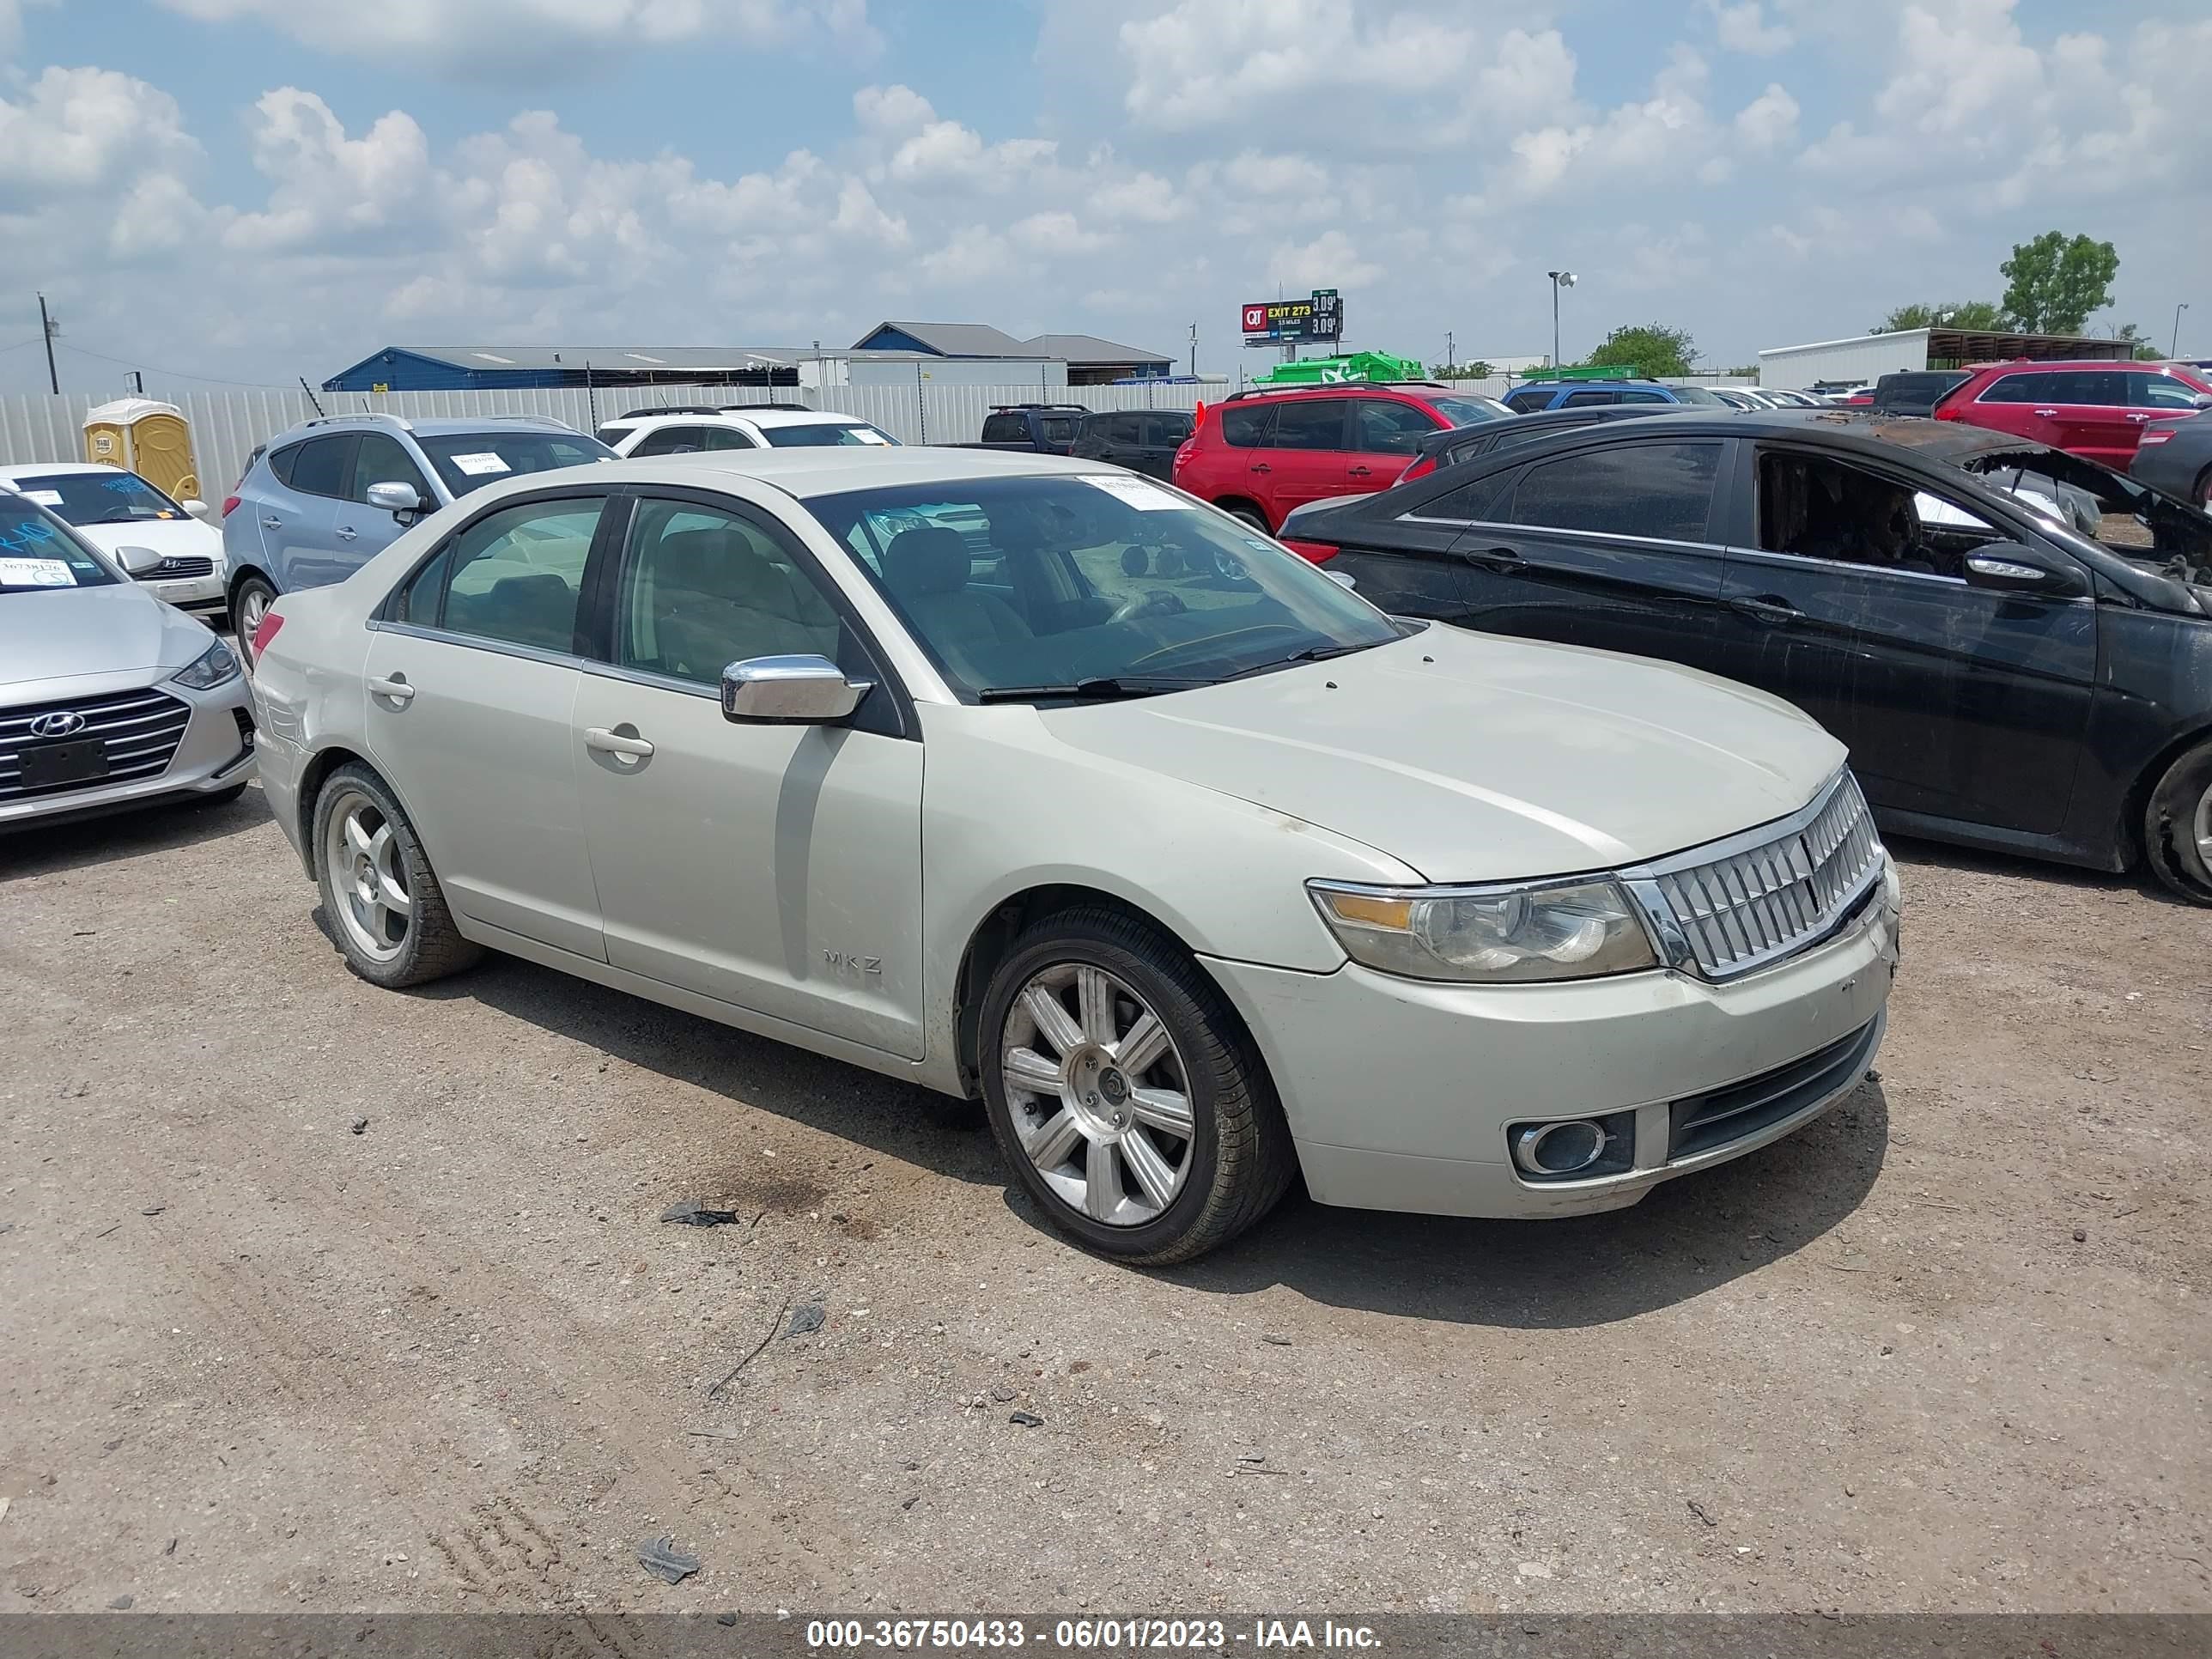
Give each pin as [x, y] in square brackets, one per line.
[1021, 777]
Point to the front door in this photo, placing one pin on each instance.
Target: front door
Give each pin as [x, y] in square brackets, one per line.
[471, 709]
[1386, 435]
[1955, 700]
[1608, 546]
[362, 531]
[775, 868]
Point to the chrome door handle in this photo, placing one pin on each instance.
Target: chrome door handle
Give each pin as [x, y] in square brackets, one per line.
[346, 533]
[396, 687]
[613, 743]
[1773, 611]
[1495, 558]
[2138, 417]
[272, 524]
[2046, 413]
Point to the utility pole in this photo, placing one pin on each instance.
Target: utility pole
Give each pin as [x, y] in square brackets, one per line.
[138, 382]
[2173, 349]
[1559, 279]
[49, 327]
[1193, 350]
[1447, 349]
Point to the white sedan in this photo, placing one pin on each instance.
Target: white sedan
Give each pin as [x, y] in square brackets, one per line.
[113, 508]
[1203, 881]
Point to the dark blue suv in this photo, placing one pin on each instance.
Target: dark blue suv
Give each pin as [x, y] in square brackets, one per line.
[1527, 399]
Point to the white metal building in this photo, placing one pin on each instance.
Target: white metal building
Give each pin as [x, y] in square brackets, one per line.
[1864, 358]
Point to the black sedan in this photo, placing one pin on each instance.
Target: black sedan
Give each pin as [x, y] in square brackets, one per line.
[2003, 680]
[1463, 443]
[2176, 456]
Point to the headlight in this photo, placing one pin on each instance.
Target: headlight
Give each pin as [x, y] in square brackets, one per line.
[215, 666]
[1574, 929]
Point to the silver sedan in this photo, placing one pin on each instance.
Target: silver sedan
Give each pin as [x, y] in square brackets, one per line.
[109, 698]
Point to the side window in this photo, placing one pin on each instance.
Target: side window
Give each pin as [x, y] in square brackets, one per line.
[1635, 397]
[670, 441]
[1529, 398]
[515, 575]
[728, 437]
[1470, 503]
[1387, 429]
[1005, 429]
[377, 458]
[280, 463]
[2100, 388]
[1629, 489]
[1309, 423]
[1056, 429]
[1818, 508]
[701, 589]
[1588, 399]
[2161, 392]
[1247, 426]
[320, 466]
[1171, 428]
[2028, 388]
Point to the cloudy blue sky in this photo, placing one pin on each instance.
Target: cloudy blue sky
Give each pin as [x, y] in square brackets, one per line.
[251, 190]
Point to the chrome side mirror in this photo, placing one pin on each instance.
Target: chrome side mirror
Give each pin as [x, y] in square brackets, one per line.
[2016, 567]
[139, 562]
[395, 498]
[796, 690]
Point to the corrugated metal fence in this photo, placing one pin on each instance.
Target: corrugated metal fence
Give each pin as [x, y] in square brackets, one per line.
[227, 425]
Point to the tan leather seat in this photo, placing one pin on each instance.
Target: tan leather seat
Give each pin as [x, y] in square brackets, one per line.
[718, 597]
[926, 570]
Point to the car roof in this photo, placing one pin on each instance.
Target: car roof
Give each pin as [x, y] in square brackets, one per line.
[2039, 364]
[1869, 431]
[424, 426]
[762, 418]
[805, 473]
[53, 468]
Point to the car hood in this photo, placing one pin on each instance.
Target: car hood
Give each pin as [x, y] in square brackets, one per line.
[86, 633]
[1472, 757]
[172, 538]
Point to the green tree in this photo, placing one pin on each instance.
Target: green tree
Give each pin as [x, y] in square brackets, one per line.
[1474, 371]
[2055, 281]
[1650, 349]
[2145, 351]
[1978, 314]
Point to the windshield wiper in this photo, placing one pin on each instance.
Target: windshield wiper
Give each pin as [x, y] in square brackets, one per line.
[1100, 689]
[1312, 653]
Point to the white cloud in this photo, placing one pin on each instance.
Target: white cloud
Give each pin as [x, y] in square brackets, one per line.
[1057, 232]
[892, 109]
[11, 22]
[1209, 61]
[75, 129]
[1254, 174]
[1525, 75]
[948, 150]
[972, 254]
[1743, 28]
[493, 39]
[325, 184]
[1144, 197]
[1769, 120]
[1332, 259]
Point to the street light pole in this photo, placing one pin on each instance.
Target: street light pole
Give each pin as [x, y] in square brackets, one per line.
[2173, 349]
[1559, 279]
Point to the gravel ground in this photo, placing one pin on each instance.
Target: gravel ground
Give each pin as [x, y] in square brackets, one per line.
[1946, 1349]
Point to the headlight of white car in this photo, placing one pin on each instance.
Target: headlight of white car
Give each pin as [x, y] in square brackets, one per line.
[213, 666]
[1535, 931]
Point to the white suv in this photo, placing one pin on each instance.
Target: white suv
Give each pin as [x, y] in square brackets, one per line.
[691, 427]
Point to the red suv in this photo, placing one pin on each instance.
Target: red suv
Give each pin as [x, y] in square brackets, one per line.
[2095, 410]
[1260, 453]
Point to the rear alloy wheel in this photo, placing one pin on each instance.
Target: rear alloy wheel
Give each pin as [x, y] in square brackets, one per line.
[2178, 826]
[248, 606]
[383, 902]
[1125, 1094]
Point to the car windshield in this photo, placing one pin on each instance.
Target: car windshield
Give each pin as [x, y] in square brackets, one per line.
[824, 435]
[1697, 394]
[1469, 411]
[470, 460]
[107, 496]
[1094, 585]
[2117, 512]
[38, 554]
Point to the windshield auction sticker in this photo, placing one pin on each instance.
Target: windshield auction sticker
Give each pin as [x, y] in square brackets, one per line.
[1146, 497]
[36, 573]
[480, 464]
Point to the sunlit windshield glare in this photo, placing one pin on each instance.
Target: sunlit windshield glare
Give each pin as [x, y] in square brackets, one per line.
[825, 434]
[37, 556]
[107, 496]
[470, 460]
[1050, 582]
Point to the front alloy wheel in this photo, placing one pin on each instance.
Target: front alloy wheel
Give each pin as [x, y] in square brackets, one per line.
[361, 856]
[1099, 1095]
[382, 898]
[1128, 1098]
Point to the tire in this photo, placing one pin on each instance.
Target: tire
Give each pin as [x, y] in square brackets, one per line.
[1247, 515]
[2178, 826]
[248, 599]
[1188, 1187]
[388, 944]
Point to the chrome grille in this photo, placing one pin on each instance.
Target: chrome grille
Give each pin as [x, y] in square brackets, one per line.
[141, 729]
[1754, 900]
[176, 569]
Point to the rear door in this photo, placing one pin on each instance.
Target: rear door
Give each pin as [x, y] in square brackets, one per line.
[1163, 433]
[1955, 700]
[299, 532]
[1400, 556]
[1608, 545]
[673, 441]
[1386, 435]
[2093, 417]
[1305, 458]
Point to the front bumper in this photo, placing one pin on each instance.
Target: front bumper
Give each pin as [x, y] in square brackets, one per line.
[214, 752]
[1399, 1092]
[199, 593]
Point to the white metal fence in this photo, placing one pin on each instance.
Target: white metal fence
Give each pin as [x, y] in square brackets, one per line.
[227, 425]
